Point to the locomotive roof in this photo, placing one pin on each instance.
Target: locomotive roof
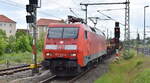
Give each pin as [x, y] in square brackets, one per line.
[64, 25]
[86, 27]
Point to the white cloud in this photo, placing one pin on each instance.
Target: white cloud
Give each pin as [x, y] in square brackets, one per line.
[60, 9]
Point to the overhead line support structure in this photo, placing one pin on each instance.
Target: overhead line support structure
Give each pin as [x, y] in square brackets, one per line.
[127, 18]
[127, 25]
[144, 34]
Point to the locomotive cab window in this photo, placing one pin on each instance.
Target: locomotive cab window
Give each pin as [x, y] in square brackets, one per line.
[65, 32]
[55, 32]
[70, 33]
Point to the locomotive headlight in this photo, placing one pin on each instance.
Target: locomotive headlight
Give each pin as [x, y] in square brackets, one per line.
[73, 54]
[48, 54]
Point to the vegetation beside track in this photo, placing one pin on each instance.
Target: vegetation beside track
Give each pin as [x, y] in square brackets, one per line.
[18, 48]
[16, 58]
[135, 69]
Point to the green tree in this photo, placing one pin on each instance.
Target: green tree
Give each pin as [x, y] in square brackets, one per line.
[23, 42]
[19, 34]
[11, 46]
[3, 34]
[3, 42]
[40, 42]
[3, 45]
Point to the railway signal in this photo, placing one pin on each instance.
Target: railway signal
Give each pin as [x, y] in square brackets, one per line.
[30, 18]
[117, 30]
[117, 34]
[33, 2]
[31, 9]
[138, 37]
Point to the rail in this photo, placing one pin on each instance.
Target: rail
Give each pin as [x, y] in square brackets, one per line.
[80, 75]
[13, 70]
[48, 79]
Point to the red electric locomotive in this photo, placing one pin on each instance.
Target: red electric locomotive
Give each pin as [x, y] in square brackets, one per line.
[71, 48]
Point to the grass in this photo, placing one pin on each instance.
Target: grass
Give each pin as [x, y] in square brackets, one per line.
[16, 58]
[143, 77]
[133, 70]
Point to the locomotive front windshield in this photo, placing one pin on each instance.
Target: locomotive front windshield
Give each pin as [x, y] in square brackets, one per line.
[63, 32]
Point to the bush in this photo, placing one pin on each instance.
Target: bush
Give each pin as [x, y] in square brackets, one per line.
[11, 46]
[128, 55]
[40, 44]
[23, 44]
[139, 62]
[3, 42]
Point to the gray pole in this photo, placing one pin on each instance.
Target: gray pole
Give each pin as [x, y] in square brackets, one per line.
[86, 14]
[144, 28]
[107, 34]
[144, 23]
[31, 19]
[35, 43]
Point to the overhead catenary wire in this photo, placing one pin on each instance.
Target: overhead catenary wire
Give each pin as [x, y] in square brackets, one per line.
[113, 9]
[10, 4]
[71, 8]
[73, 12]
[110, 18]
[94, 20]
[97, 18]
[62, 5]
[16, 5]
[47, 14]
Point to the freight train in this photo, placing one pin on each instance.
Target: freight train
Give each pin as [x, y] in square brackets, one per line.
[70, 49]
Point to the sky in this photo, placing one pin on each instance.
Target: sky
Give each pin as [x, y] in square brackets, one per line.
[59, 9]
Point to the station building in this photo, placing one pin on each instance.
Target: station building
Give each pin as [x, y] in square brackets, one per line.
[42, 26]
[8, 25]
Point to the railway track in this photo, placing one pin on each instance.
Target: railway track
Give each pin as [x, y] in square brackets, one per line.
[48, 79]
[54, 78]
[72, 80]
[80, 75]
[13, 70]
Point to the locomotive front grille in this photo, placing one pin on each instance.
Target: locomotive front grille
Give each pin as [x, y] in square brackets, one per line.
[59, 66]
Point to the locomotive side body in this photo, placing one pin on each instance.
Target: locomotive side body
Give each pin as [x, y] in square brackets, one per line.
[69, 48]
